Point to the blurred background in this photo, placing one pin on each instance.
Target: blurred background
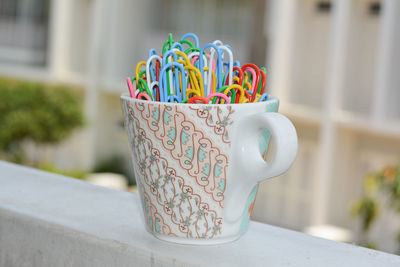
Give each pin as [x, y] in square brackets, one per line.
[333, 64]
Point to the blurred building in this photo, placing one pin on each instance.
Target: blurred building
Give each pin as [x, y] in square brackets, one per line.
[333, 64]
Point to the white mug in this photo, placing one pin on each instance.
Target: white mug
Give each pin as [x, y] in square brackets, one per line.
[198, 166]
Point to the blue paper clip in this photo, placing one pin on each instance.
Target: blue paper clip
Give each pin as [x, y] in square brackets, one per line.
[194, 36]
[173, 77]
[173, 98]
[152, 51]
[263, 97]
[163, 83]
[179, 45]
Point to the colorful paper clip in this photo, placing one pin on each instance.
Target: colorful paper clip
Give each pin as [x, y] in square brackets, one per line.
[188, 73]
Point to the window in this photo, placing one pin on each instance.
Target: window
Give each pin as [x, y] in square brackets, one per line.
[23, 31]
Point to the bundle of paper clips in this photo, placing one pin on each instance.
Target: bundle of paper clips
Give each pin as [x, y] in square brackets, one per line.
[181, 75]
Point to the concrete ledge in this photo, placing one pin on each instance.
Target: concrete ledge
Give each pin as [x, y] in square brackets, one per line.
[50, 220]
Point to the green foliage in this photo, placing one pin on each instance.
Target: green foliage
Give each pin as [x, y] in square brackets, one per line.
[367, 210]
[114, 164]
[386, 181]
[79, 174]
[40, 112]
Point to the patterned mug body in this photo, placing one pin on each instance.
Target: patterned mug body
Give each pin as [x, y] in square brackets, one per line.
[197, 166]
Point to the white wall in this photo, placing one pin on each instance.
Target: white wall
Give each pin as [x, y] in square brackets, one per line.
[335, 75]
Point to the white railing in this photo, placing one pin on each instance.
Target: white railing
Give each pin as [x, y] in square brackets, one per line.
[51, 220]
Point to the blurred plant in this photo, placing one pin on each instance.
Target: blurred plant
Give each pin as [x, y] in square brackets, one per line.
[115, 164]
[386, 181]
[39, 112]
[79, 174]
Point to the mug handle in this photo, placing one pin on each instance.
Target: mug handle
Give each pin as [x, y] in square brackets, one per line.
[285, 145]
[248, 166]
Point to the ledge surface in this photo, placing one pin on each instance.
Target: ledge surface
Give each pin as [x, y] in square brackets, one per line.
[51, 220]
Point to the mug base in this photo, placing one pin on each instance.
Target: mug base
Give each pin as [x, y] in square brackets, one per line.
[194, 241]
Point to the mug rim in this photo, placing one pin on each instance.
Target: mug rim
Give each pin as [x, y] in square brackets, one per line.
[127, 97]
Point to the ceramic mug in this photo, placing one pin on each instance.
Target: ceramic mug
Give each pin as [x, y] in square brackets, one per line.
[197, 166]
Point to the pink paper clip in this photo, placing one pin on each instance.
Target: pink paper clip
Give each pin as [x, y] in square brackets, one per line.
[130, 87]
[228, 101]
[140, 95]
